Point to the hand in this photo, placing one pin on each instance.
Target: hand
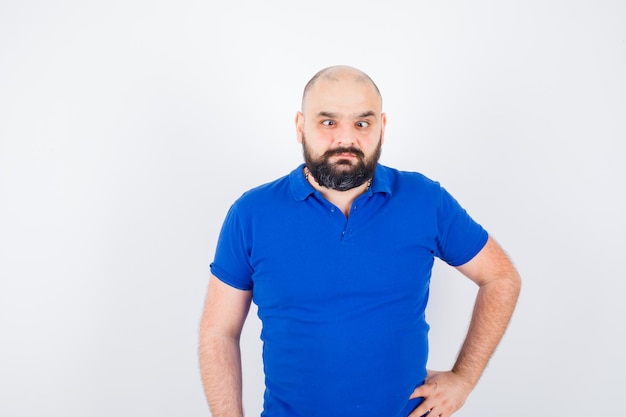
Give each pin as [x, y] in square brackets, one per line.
[443, 392]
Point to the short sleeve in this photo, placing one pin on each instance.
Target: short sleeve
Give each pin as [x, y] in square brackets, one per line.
[232, 255]
[460, 237]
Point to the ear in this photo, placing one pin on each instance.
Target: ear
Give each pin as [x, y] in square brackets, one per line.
[383, 124]
[299, 126]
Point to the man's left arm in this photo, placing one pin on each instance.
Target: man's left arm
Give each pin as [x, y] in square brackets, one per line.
[499, 287]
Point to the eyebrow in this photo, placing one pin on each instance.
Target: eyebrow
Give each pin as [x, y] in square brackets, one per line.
[369, 113]
[332, 115]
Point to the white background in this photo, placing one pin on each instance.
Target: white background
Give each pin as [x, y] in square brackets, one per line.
[128, 128]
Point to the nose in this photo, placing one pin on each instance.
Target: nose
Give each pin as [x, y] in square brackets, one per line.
[345, 136]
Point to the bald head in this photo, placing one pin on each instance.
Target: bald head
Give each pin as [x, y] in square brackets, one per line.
[336, 74]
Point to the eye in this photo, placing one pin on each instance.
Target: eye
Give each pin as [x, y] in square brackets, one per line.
[328, 122]
[362, 124]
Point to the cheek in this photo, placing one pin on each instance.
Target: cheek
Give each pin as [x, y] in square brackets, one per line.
[318, 140]
[369, 141]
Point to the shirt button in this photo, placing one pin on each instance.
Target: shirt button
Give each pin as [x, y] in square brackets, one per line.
[332, 209]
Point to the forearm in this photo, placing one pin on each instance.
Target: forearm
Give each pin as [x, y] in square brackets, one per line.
[494, 306]
[220, 366]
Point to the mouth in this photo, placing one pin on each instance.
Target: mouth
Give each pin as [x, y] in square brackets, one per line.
[347, 152]
[344, 156]
[345, 161]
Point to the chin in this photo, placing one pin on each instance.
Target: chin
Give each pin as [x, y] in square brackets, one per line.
[343, 168]
[344, 163]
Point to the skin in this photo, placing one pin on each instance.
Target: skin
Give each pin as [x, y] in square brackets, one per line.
[343, 108]
[225, 311]
[499, 286]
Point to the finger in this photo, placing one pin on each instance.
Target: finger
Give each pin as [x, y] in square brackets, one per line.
[420, 414]
[419, 392]
[438, 412]
[434, 413]
[422, 410]
[423, 391]
[429, 413]
[416, 413]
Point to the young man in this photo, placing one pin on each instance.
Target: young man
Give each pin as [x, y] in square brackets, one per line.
[337, 255]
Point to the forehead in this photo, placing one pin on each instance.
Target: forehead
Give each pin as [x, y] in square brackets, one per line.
[344, 93]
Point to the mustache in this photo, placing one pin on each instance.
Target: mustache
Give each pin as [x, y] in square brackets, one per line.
[339, 151]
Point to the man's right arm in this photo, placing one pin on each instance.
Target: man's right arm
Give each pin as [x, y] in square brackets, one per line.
[225, 311]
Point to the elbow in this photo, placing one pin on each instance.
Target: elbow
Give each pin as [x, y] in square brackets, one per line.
[513, 285]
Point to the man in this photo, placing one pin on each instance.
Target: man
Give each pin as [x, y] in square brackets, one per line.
[337, 255]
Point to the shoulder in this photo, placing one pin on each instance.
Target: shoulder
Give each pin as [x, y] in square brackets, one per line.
[271, 194]
[263, 193]
[401, 182]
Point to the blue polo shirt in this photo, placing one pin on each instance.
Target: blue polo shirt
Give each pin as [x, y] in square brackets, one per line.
[342, 300]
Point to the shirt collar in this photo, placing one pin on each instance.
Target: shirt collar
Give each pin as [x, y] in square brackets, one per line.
[382, 180]
[301, 189]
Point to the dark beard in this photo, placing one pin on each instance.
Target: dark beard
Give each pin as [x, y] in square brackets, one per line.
[341, 175]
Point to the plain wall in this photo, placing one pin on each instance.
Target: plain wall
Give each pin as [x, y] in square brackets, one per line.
[128, 128]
